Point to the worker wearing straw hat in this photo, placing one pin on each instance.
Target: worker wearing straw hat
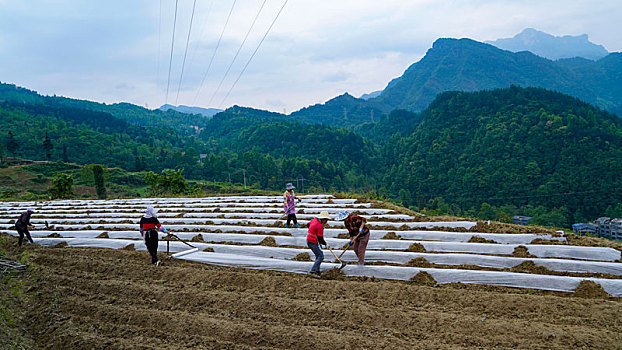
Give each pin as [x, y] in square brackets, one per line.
[315, 238]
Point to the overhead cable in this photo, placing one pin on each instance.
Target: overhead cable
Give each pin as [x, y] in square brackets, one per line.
[159, 44]
[170, 63]
[214, 54]
[253, 55]
[237, 53]
[183, 64]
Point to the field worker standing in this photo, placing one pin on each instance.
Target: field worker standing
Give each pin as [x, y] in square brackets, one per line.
[289, 205]
[315, 238]
[149, 225]
[23, 224]
[359, 233]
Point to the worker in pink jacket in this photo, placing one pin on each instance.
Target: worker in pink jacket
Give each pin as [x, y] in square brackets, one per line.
[289, 205]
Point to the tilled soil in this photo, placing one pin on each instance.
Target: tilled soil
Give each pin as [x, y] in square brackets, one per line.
[84, 298]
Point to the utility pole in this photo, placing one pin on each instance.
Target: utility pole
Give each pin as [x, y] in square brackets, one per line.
[302, 179]
[244, 172]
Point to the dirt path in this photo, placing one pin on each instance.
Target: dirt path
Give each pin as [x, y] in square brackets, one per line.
[103, 298]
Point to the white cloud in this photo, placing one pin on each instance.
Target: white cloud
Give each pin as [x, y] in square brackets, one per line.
[112, 51]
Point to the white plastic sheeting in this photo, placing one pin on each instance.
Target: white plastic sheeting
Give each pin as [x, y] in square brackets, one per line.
[73, 202]
[181, 210]
[540, 251]
[261, 222]
[246, 221]
[501, 238]
[497, 262]
[442, 276]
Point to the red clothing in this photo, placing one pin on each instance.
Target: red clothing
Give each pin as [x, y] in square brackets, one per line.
[149, 223]
[316, 229]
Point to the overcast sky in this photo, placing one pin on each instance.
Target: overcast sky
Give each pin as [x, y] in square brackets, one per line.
[119, 51]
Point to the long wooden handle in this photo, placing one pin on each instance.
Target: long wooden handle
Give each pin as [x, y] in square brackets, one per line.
[352, 240]
[335, 255]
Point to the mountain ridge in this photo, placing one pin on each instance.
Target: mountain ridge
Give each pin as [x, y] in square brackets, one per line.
[550, 46]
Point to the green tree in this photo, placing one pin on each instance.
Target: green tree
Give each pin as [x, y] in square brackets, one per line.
[97, 175]
[170, 181]
[614, 212]
[61, 186]
[47, 146]
[11, 143]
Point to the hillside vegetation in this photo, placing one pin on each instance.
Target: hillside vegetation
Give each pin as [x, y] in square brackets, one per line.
[489, 154]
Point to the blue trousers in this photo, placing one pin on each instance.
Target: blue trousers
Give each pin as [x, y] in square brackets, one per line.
[319, 256]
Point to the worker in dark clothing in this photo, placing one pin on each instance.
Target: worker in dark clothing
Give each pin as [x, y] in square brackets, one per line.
[149, 226]
[23, 224]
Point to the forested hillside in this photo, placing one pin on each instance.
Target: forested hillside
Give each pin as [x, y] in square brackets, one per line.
[512, 147]
[183, 123]
[489, 154]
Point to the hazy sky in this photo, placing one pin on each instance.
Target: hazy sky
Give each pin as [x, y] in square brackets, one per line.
[118, 51]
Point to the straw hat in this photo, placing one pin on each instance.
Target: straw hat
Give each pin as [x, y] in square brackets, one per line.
[289, 186]
[324, 215]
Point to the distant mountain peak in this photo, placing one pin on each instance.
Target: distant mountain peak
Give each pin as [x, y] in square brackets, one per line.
[207, 112]
[550, 46]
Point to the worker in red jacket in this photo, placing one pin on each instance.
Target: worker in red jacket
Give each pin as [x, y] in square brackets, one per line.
[149, 225]
[315, 238]
[359, 233]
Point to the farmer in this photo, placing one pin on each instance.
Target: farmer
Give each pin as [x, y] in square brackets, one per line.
[359, 233]
[23, 224]
[148, 229]
[315, 238]
[289, 205]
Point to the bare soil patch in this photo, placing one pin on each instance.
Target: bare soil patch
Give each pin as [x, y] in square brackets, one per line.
[302, 257]
[416, 247]
[268, 241]
[86, 298]
[522, 252]
[391, 235]
[478, 239]
[424, 278]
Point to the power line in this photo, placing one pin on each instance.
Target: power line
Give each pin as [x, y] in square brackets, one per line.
[159, 43]
[209, 12]
[170, 63]
[237, 53]
[214, 54]
[253, 55]
[186, 51]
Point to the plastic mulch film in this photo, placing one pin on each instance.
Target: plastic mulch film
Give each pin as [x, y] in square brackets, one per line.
[560, 265]
[177, 210]
[540, 251]
[502, 238]
[441, 276]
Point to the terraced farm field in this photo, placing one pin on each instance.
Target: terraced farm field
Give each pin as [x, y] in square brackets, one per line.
[426, 284]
